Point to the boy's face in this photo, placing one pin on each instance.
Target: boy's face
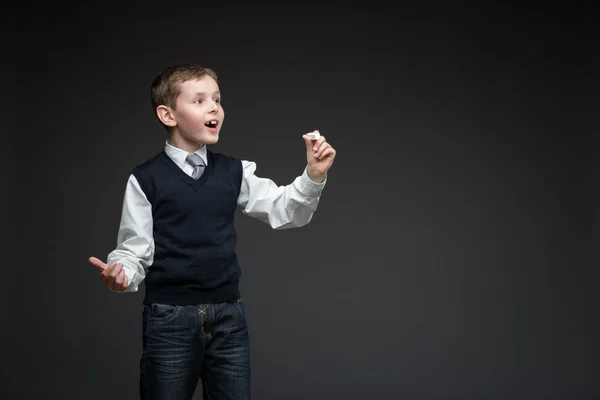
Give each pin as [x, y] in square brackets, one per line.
[199, 114]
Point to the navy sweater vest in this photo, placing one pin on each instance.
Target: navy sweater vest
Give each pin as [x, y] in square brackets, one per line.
[195, 258]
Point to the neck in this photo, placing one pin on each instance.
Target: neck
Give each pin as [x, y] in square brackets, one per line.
[185, 145]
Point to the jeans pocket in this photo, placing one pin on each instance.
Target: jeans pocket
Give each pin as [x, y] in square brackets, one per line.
[240, 306]
[162, 313]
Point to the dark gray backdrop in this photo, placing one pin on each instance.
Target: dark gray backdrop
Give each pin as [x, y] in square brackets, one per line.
[450, 256]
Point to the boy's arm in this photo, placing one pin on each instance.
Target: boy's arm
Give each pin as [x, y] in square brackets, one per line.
[135, 240]
[293, 205]
[282, 207]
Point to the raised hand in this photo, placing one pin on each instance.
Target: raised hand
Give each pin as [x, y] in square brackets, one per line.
[112, 275]
[319, 157]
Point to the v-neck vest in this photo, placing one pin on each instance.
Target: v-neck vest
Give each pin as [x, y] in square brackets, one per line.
[195, 258]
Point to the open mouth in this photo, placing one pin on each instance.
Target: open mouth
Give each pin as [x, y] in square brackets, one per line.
[212, 125]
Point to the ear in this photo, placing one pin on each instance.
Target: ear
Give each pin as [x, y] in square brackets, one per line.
[165, 115]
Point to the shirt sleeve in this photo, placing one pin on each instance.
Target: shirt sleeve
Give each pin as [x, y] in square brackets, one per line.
[282, 207]
[135, 240]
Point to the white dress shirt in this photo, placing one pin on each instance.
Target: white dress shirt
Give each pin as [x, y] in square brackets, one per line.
[282, 207]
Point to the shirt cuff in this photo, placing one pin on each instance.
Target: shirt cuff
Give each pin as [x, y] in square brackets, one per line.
[308, 187]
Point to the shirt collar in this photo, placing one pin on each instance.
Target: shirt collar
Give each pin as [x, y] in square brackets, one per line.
[178, 156]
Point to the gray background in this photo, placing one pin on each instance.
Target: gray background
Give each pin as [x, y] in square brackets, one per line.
[450, 257]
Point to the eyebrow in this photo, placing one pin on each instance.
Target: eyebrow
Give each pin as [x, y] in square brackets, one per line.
[217, 93]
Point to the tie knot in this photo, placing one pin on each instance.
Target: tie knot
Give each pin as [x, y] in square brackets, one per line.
[195, 159]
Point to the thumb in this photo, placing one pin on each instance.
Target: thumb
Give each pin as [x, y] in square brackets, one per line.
[309, 142]
[97, 263]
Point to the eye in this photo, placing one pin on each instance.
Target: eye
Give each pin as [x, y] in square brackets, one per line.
[218, 101]
[197, 101]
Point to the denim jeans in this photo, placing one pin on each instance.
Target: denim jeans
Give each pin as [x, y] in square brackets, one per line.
[182, 344]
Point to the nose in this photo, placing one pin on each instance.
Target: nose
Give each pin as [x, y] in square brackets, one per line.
[215, 107]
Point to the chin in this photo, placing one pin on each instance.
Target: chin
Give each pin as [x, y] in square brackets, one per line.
[211, 139]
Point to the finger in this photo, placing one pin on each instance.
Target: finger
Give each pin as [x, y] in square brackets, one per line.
[117, 283]
[97, 263]
[318, 143]
[113, 285]
[111, 279]
[125, 280]
[122, 281]
[329, 152]
[106, 273]
[115, 272]
[120, 278]
[308, 141]
[323, 147]
[109, 269]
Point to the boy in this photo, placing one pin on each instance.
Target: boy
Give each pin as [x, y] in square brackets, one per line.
[177, 233]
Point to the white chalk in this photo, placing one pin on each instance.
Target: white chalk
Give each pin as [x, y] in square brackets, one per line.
[314, 135]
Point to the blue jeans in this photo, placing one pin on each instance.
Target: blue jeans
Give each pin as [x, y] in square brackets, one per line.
[182, 344]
